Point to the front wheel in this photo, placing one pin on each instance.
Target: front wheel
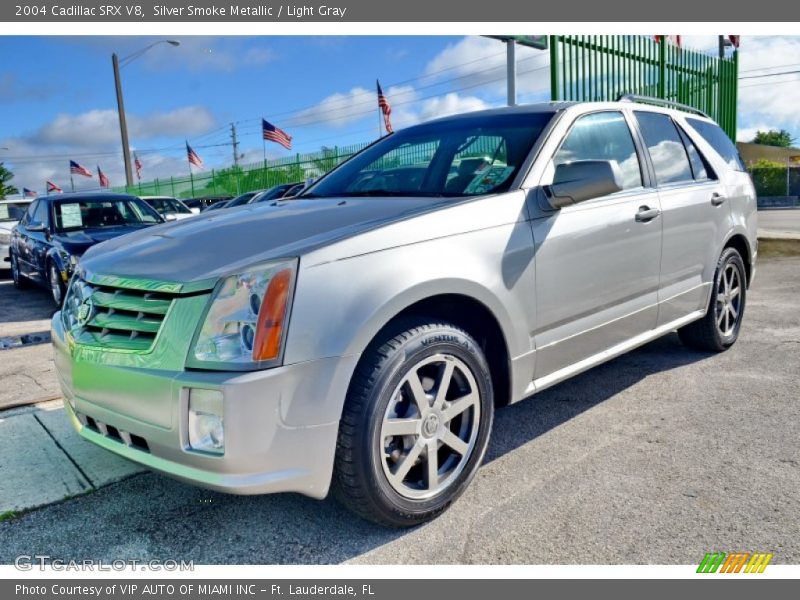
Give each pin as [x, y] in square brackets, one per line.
[56, 285]
[415, 424]
[719, 329]
[20, 281]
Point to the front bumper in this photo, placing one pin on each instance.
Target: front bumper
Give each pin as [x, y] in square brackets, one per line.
[280, 424]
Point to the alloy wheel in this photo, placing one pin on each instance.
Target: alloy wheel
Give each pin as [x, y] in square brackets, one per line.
[430, 427]
[14, 269]
[729, 299]
[55, 285]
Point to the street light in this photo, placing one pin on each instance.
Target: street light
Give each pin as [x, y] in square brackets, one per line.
[116, 62]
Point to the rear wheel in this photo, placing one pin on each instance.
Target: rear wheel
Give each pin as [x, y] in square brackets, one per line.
[719, 329]
[20, 281]
[56, 284]
[415, 425]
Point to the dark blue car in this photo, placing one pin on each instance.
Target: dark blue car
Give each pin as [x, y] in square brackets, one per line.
[56, 230]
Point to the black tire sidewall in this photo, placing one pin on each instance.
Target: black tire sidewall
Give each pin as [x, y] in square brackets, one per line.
[438, 339]
[730, 256]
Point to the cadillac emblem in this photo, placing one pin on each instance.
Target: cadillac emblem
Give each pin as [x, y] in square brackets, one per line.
[85, 312]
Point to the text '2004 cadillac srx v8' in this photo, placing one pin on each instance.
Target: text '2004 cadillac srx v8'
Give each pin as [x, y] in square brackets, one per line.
[358, 338]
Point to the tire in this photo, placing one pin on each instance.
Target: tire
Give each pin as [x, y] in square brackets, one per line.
[57, 287]
[719, 328]
[382, 469]
[20, 281]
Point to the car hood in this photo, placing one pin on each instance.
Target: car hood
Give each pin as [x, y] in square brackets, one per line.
[77, 242]
[201, 249]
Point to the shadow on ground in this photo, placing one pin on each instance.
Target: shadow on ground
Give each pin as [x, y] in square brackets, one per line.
[150, 516]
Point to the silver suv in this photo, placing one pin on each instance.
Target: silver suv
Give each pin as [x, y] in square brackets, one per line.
[358, 337]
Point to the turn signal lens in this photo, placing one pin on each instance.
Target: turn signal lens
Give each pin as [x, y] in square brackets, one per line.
[269, 329]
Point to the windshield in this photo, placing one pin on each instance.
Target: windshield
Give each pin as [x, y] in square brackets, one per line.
[274, 193]
[13, 211]
[167, 206]
[74, 215]
[461, 157]
[239, 200]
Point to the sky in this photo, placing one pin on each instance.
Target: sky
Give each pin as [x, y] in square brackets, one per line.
[57, 97]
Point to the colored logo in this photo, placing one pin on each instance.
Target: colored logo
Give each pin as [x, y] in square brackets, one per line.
[738, 562]
[85, 311]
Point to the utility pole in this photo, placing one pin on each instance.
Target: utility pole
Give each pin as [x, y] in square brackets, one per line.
[235, 145]
[123, 125]
[511, 71]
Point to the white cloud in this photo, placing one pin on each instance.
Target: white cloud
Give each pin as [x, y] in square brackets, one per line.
[101, 126]
[340, 109]
[479, 63]
[92, 138]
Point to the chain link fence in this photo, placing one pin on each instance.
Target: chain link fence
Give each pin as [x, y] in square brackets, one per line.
[777, 180]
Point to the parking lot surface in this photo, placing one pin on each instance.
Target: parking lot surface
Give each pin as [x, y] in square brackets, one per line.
[26, 365]
[657, 457]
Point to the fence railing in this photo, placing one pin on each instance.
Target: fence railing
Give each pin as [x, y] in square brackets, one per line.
[776, 181]
[603, 67]
[232, 181]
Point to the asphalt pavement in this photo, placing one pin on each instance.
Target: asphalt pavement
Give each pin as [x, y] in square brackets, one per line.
[780, 222]
[656, 457]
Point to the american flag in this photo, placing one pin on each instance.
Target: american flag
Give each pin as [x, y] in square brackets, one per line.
[76, 169]
[735, 39]
[672, 39]
[52, 187]
[138, 164]
[194, 158]
[104, 183]
[275, 134]
[26, 193]
[385, 107]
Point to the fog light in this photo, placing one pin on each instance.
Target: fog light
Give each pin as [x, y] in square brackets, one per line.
[206, 423]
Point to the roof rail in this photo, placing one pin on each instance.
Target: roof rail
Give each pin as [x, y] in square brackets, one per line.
[661, 102]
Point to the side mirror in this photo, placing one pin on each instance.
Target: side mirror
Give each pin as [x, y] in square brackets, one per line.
[583, 180]
[170, 217]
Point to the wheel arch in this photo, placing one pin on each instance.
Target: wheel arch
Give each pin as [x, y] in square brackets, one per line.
[475, 317]
[739, 242]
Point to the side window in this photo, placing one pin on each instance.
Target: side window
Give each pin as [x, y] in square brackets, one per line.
[665, 146]
[42, 216]
[718, 139]
[700, 168]
[28, 218]
[603, 136]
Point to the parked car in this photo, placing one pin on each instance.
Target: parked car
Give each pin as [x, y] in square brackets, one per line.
[203, 203]
[11, 212]
[171, 209]
[241, 199]
[361, 340]
[273, 193]
[55, 232]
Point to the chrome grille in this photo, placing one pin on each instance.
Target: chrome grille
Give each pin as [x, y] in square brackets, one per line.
[114, 317]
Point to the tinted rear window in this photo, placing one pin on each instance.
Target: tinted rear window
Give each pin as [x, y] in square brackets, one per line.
[718, 139]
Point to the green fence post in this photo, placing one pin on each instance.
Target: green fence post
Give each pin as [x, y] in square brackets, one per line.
[662, 66]
[553, 67]
[172, 186]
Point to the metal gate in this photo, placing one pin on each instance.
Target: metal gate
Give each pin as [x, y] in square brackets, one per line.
[603, 67]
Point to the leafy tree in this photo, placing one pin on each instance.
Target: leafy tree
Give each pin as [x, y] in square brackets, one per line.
[5, 188]
[773, 137]
[769, 177]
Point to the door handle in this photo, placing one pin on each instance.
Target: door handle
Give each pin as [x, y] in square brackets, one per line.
[646, 214]
[717, 199]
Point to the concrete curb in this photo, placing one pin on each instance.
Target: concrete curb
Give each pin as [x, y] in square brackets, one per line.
[45, 461]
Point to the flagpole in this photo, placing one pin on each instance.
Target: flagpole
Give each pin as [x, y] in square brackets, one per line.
[380, 115]
[72, 182]
[191, 180]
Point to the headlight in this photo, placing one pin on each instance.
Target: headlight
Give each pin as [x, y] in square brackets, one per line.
[246, 319]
